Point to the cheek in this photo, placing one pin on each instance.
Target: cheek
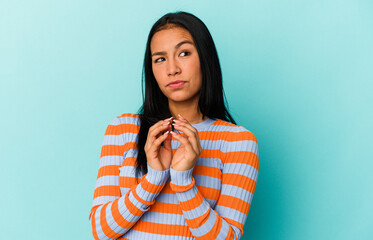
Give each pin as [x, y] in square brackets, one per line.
[157, 76]
[198, 72]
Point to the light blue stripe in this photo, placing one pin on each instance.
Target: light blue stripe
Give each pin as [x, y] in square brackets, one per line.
[220, 128]
[124, 190]
[241, 169]
[175, 144]
[237, 192]
[107, 180]
[111, 160]
[127, 171]
[145, 195]
[124, 210]
[164, 218]
[139, 205]
[133, 234]
[225, 146]
[206, 227]
[223, 231]
[111, 222]
[103, 200]
[230, 213]
[118, 139]
[237, 231]
[132, 152]
[172, 199]
[196, 212]
[167, 198]
[127, 120]
[100, 233]
[206, 181]
[210, 162]
[187, 195]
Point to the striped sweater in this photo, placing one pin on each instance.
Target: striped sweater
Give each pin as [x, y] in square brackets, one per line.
[209, 201]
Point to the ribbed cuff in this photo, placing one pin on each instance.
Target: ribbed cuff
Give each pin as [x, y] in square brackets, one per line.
[181, 178]
[157, 177]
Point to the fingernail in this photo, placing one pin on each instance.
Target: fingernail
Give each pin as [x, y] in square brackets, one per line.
[166, 133]
[168, 119]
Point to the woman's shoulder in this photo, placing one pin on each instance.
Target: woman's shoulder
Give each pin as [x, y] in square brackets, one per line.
[233, 131]
[126, 118]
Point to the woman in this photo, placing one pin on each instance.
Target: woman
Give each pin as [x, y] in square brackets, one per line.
[180, 168]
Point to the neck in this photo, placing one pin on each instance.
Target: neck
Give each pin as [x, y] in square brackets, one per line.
[190, 111]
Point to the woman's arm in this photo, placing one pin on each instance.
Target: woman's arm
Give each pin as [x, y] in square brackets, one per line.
[112, 214]
[239, 176]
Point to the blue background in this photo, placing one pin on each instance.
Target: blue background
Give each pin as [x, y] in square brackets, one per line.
[298, 74]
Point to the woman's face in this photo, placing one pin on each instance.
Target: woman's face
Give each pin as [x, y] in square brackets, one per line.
[176, 65]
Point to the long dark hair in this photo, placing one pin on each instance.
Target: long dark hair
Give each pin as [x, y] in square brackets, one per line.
[155, 103]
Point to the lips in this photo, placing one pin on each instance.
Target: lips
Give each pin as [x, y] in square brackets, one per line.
[176, 84]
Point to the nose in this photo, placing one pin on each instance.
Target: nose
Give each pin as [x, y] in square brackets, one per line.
[173, 67]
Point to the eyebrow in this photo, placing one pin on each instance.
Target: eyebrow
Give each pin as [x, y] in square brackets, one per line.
[176, 47]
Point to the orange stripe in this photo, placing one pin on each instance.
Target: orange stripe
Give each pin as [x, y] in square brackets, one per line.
[163, 229]
[214, 232]
[206, 153]
[234, 223]
[227, 136]
[108, 190]
[94, 224]
[198, 221]
[206, 192]
[239, 181]
[191, 203]
[116, 150]
[130, 161]
[231, 234]
[207, 171]
[104, 225]
[109, 170]
[242, 157]
[131, 207]
[130, 115]
[93, 209]
[138, 198]
[217, 227]
[122, 128]
[149, 187]
[167, 189]
[119, 219]
[220, 122]
[127, 182]
[210, 193]
[166, 208]
[234, 203]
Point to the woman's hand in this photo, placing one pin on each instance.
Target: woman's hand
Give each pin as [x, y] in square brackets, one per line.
[159, 157]
[186, 155]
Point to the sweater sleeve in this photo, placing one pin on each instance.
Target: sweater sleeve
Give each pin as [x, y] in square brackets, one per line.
[116, 208]
[239, 176]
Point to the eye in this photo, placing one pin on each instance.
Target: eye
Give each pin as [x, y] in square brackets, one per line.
[186, 53]
[158, 60]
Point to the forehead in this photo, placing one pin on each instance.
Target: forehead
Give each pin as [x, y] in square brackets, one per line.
[169, 38]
